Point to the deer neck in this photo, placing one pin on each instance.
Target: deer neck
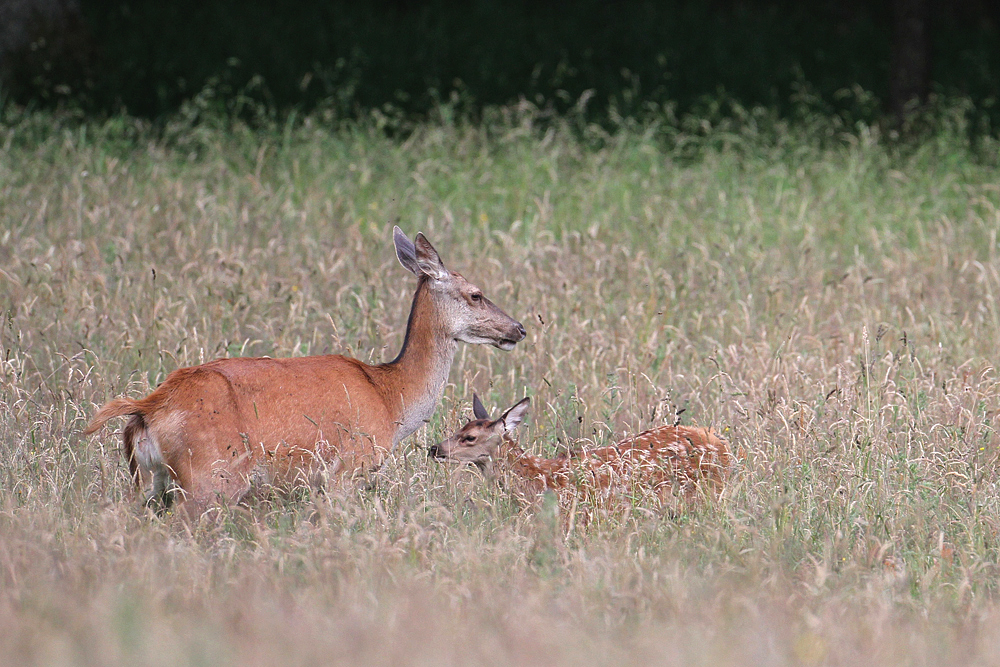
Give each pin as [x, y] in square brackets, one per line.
[539, 472]
[420, 370]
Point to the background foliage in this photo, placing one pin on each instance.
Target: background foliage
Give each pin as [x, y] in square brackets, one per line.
[627, 57]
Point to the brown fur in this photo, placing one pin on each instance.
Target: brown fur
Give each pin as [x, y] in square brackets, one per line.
[661, 462]
[218, 427]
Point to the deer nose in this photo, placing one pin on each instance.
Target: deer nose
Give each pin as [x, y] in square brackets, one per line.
[521, 331]
[433, 451]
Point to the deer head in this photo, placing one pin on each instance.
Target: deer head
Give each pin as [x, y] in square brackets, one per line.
[466, 314]
[479, 441]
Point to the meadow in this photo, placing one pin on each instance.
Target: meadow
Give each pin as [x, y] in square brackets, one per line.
[824, 296]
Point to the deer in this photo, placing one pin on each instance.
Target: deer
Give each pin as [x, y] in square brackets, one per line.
[658, 462]
[212, 432]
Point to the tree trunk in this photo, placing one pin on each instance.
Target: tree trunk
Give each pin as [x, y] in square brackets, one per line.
[910, 68]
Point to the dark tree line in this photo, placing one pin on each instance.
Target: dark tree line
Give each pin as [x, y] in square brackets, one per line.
[148, 57]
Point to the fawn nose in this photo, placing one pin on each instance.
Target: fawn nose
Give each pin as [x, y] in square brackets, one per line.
[433, 451]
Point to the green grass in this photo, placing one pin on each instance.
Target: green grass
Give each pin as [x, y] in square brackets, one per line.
[826, 298]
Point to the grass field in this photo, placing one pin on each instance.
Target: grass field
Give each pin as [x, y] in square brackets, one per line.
[826, 299]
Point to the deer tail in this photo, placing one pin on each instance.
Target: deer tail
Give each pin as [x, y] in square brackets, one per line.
[119, 407]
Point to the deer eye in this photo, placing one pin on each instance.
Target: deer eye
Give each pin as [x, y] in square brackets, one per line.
[467, 439]
[476, 297]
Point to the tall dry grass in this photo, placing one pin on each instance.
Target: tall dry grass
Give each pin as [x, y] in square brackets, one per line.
[827, 300]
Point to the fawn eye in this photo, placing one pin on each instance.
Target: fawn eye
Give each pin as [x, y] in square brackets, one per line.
[467, 439]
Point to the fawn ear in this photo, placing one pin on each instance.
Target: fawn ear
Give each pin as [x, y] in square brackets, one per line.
[513, 417]
[406, 252]
[477, 408]
[428, 260]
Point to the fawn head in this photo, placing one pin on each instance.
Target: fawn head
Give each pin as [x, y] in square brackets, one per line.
[479, 441]
[467, 315]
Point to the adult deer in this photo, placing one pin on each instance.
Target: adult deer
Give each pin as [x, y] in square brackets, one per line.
[215, 429]
[656, 462]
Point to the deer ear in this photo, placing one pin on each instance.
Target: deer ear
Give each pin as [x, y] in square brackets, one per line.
[406, 252]
[477, 408]
[428, 260]
[513, 417]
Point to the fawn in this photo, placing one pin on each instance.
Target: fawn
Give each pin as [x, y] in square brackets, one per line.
[657, 462]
